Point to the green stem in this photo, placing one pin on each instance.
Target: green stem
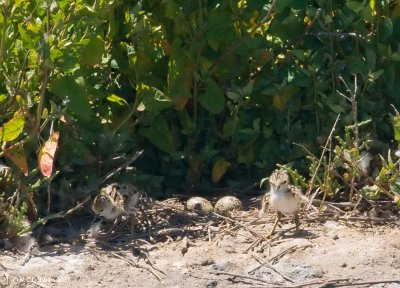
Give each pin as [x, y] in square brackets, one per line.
[3, 34]
[45, 70]
[41, 96]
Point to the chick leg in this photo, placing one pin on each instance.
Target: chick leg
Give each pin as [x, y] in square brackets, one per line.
[297, 221]
[278, 218]
[132, 219]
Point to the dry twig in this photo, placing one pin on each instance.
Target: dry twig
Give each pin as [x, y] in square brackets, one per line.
[288, 250]
[242, 276]
[239, 224]
[321, 158]
[270, 266]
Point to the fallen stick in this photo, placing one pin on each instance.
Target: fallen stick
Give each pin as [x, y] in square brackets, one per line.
[290, 249]
[223, 232]
[262, 237]
[270, 266]
[238, 224]
[243, 276]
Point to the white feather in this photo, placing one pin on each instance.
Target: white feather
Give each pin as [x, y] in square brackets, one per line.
[283, 201]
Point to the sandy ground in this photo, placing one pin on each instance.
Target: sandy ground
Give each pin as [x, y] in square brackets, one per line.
[329, 254]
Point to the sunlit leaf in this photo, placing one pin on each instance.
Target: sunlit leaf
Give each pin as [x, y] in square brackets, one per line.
[13, 128]
[219, 169]
[372, 4]
[141, 107]
[93, 51]
[396, 127]
[46, 154]
[116, 99]
[152, 98]
[3, 97]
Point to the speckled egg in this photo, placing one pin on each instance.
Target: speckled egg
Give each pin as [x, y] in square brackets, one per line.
[199, 205]
[227, 204]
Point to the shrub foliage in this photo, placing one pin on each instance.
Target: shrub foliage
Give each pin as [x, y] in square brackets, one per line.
[215, 92]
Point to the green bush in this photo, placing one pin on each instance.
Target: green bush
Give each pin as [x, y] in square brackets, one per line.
[215, 92]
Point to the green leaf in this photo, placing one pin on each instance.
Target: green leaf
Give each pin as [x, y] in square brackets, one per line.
[172, 9]
[219, 169]
[220, 28]
[229, 128]
[245, 154]
[395, 56]
[74, 95]
[390, 74]
[13, 128]
[355, 5]
[28, 39]
[299, 54]
[233, 96]
[357, 65]
[186, 122]
[152, 98]
[176, 67]
[93, 51]
[396, 127]
[159, 134]
[281, 5]
[371, 58]
[298, 77]
[3, 97]
[248, 89]
[116, 99]
[337, 108]
[372, 4]
[375, 75]
[385, 28]
[213, 98]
